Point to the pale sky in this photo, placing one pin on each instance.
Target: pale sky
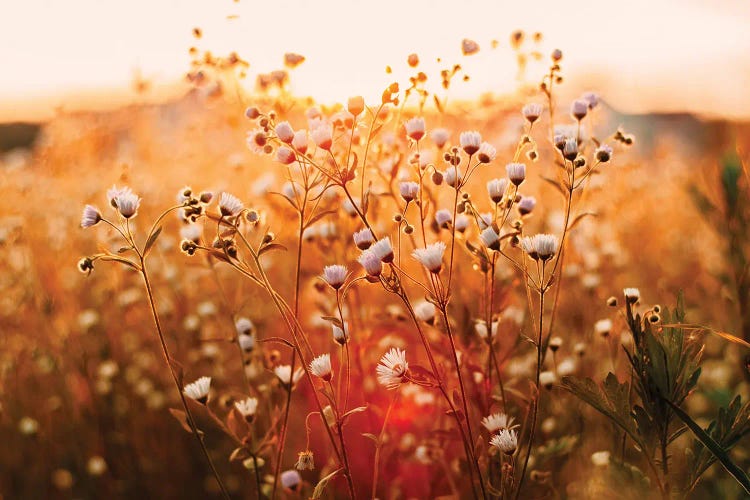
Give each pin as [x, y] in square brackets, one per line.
[645, 54]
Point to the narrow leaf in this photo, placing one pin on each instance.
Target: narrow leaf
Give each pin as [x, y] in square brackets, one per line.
[151, 240]
[714, 447]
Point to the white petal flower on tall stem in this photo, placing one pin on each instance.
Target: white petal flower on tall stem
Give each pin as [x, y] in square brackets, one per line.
[431, 256]
[198, 390]
[392, 368]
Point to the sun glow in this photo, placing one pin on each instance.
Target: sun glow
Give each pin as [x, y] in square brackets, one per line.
[67, 53]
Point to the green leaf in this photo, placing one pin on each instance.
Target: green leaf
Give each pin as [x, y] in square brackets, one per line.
[151, 240]
[318, 491]
[715, 448]
[611, 400]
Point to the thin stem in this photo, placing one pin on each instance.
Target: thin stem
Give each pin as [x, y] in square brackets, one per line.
[376, 467]
[167, 357]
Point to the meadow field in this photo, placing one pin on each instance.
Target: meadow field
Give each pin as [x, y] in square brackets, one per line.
[252, 294]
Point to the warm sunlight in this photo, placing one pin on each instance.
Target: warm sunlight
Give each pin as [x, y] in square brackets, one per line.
[647, 55]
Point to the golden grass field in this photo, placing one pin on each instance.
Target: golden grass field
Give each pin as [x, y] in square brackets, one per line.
[88, 401]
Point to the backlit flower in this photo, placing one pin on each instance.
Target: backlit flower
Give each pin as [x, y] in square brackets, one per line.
[363, 238]
[284, 132]
[532, 112]
[90, 216]
[284, 373]
[490, 238]
[335, 275]
[247, 408]
[497, 422]
[383, 249]
[425, 311]
[229, 205]
[415, 128]
[440, 136]
[540, 246]
[526, 205]
[322, 136]
[470, 142]
[392, 368]
[305, 460]
[506, 441]
[127, 204]
[321, 367]
[371, 262]
[431, 256]
[443, 217]
[516, 172]
[244, 326]
[198, 390]
[496, 189]
[409, 190]
[579, 108]
[486, 153]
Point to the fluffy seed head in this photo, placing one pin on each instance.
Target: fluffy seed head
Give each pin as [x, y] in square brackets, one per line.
[431, 256]
[127, 204]
[285, 155]
[603, 153]
[300, 141]
[570, 149]
[305, 460]
[244, 326]
[540, 246]
[284, 373]
[603, 327]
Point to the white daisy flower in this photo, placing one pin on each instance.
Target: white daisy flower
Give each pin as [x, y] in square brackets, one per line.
[409, 191]
[443, 217]
[363, 238]
[229, 205]
[321, 367]
[440, 136]
[431, 256]
[516, 172]
[90, 216]
[335, 275]
[392, 368]
[415, 128]
[290, 479]
[244, 326]
[490, 238]
[470, 142]
[540, 246]
[247, 408]
[425, 311]
[198, 390]
[284, 132]
[526, 205]
[603, 327]
[371, 262]
[506, 441]
[532, 112]
[632, 295]
[497, 422]
[496, 189]
[579, 108]
[486, 153]
[300, 141]
[128, 204]
[284, 373]
[383, 249]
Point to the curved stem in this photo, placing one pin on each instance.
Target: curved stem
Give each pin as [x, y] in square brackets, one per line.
[167, 357]
[376, 468]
